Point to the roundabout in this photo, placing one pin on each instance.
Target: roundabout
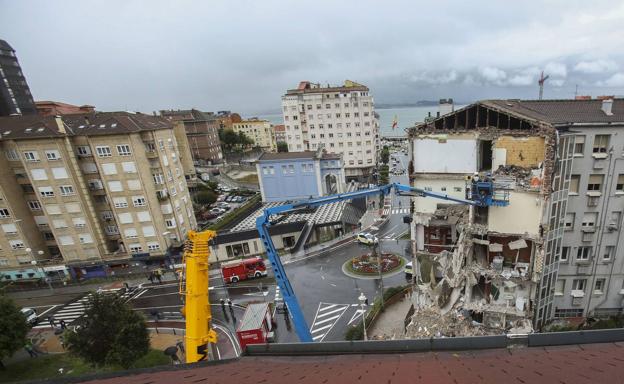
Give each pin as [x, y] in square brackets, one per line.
[366, 266]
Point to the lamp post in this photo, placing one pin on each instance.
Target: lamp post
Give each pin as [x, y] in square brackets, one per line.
[168, 254]
[362, 300]
[34, 264]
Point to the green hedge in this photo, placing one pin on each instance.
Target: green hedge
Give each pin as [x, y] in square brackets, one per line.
[356, 332]
[235, 214]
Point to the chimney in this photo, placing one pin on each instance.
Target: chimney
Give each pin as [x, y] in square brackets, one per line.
[607, 104]
[59, 124]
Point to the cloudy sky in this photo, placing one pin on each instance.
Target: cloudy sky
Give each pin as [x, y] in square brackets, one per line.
[242, 55]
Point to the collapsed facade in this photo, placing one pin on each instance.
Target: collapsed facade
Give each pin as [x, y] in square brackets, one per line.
[490, 269]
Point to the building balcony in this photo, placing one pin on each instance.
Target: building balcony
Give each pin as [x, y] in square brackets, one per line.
[151, 154]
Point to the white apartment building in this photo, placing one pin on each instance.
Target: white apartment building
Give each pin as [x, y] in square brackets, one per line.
[340, 119]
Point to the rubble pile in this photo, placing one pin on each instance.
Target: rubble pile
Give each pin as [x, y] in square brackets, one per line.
[429, 322]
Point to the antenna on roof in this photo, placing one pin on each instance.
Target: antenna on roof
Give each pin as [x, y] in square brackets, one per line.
[541, 81]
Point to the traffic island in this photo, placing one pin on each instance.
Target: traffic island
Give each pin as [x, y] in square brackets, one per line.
[367, 266]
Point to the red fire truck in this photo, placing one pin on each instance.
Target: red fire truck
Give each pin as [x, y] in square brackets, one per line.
[256, 327]
[234, 271]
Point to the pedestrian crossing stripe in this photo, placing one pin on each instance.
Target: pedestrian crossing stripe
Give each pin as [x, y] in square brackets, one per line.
[73, 311]
[326, 317]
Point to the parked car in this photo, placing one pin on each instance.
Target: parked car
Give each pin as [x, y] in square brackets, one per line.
[367, 238]
[229, 198]
[408, 270]
[30, 315]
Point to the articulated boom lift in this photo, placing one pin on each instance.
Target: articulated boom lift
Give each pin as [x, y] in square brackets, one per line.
[483, 196]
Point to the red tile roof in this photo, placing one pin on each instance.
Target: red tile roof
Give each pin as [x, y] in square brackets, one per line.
[589, 363]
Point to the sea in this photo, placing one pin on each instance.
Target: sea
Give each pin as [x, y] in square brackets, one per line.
[406, 117]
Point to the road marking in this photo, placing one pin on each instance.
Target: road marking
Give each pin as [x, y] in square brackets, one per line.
[326, 317]
[356, 315]
[264, 293]
[332, 284]
[46, 311]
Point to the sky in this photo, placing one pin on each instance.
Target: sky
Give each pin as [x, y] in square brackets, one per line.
[146, 55]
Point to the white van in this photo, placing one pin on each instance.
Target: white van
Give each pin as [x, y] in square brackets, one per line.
[408, 270]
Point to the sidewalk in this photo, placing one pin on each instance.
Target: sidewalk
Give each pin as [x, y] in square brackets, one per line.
[389, 325]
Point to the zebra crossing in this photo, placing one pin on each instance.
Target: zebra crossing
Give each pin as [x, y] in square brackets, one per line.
[395, 211]
[327, 315]
[73, 311]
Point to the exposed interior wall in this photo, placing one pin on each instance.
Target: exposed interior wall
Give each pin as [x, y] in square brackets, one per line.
[523, 214]
[525, 151]
[430, 204]
[445, 154]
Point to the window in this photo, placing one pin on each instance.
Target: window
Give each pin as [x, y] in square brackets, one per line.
[595, 183]
[46, 191]
[31, 156]
[111, 230]
[129, 167]
[565, 253]
[107, 215]
[170, 223]
[599, 286]
[143, 216]
[52, 155]
[161, 145]
[53, 209]
[601, 142]
[11, 155]
[109, 169]
[583, 253]
[615, 220]
[130, 233]
[4, 213]
[125, 218]
[59, 173]
[158, 178]
[48, 236]
[115, 186]
[579, 284]
[85, 238]
[136, 248]
[574, 184]
[153, 246]
[17, 244]
[608, 253]
[138, 201]
[559, 287]
[34, 205]
[79, 222]
[150, 147]
[149, 231]
[39, 174]
[95, 184]
[124, 150]
[589, 219]
[83, 151]
[619, 186]
[89, 168]
[59, 223]
[9, 229]
[103, 151]
[67, 190]
[73, 207]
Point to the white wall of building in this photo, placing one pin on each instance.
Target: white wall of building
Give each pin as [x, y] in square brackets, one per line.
[444, 154]
[523, 214]
[454, 187]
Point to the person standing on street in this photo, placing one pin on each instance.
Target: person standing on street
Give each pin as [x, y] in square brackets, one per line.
[51, 321]
[29, 348]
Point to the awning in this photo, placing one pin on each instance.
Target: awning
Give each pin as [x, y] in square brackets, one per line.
[518, 244]
[495, 247]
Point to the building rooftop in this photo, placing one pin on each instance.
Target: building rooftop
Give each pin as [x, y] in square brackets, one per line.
[589, 363]
[279, 128]
[6, 46]
[87, 124]
[308, 87]
[188, 115]
[272, 156]
[560, 111]
[255, 313]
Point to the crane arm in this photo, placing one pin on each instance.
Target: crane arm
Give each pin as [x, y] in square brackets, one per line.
[406, 190]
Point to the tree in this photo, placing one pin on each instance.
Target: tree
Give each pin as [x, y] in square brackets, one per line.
[383, 175]
[13, 328]
[385, 154]
[205, 197]
[231, 140]
[111, 333]
[282, 146]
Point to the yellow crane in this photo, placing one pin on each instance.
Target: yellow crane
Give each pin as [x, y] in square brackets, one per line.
[194, 288]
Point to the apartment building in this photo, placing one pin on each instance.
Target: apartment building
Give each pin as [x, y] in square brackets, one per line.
[340, 119]
[55, 108]
[98, 187]
[15, 96]
[555, 249]
[279, 131]
[260, 131]
[202, 133]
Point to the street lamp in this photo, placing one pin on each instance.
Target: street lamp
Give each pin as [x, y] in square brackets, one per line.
[34, 264]
[363, 300]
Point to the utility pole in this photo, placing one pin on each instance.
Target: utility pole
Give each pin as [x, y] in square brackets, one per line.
[541, 81]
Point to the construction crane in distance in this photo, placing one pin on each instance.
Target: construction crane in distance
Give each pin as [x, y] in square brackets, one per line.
[541, 82]
[481, 193]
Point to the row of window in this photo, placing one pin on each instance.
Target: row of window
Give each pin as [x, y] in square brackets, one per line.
[138, 248]
[580, 285]
[600, 145]
[339, 134]
[309, 107]
[591, 218]
[585, 253]
[594, 183]
[51, 155]
[331, 126]
[321, 116]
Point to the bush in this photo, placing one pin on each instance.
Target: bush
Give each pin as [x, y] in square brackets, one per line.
[205, 197]
[13, 328]
[356, 332]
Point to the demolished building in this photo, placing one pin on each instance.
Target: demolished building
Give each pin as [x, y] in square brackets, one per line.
[493, 268]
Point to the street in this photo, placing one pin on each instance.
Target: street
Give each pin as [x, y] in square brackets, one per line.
[328, 297]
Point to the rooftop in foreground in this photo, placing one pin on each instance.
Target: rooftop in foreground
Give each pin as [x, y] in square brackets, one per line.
[589, 363]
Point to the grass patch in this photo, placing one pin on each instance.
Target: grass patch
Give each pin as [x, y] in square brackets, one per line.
[248, 179]
[47, 366]
[405, 236]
